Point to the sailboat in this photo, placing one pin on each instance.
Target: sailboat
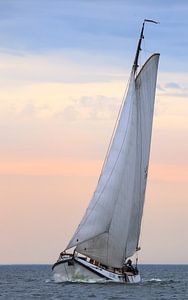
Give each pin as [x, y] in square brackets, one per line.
[108, 235]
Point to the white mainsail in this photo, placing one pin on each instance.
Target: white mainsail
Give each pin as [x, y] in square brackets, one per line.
[109, 231]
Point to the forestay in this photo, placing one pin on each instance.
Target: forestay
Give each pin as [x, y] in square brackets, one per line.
[110, 229]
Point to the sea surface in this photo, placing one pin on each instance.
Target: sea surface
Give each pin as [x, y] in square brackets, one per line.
[159, 282]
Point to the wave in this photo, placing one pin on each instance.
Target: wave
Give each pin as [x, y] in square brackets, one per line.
[160, 281]
[155, 280]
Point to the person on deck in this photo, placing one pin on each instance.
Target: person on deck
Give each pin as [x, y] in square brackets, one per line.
[129, 267]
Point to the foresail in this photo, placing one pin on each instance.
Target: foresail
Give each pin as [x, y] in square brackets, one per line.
[98, 216]
[110, 228]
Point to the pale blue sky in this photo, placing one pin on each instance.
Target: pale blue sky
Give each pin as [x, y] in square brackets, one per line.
[95, 27]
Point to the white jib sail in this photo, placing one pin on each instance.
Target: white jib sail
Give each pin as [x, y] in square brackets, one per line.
[109, 231]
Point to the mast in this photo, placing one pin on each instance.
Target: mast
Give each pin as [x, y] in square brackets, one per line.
[109, 231]
[135, 64]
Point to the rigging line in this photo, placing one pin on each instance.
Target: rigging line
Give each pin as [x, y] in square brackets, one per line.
[144, 51]
[115, 126]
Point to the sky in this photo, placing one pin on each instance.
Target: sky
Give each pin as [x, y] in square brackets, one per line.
[63, 71]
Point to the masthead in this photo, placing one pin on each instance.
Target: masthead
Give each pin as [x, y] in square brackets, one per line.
[135, 65]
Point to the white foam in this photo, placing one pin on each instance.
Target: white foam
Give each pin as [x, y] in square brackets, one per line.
[155, 280]
[60, 279]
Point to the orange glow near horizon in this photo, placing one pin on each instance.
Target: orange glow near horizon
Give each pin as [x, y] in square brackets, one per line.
[163, 172]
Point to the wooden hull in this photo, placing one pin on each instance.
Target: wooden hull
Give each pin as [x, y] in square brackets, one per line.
[79, 270]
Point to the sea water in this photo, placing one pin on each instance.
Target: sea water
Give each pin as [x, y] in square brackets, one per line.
[159, 282]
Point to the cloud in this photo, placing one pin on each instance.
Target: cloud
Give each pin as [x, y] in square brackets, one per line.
[28, 110]
[90, 108]
[173, 90]
[69, 114]
[172, 85]
[100, 107]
